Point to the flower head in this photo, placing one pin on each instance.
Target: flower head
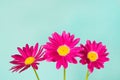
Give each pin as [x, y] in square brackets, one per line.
[29, 56]
[61, 49]
[94, 54]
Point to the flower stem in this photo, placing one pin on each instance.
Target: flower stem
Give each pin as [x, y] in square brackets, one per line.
[36, 74]
[64, 74]
[87, 75]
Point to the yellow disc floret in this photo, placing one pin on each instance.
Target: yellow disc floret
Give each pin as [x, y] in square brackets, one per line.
[63, 50]
[92, 56]
[29, 60]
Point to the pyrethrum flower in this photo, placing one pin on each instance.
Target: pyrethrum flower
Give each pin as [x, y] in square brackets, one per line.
[62, 49]
[29, 56]
[94, 54]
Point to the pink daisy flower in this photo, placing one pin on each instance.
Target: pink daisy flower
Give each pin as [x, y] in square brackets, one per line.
[94, 54]
[29, 56]
[61, 49]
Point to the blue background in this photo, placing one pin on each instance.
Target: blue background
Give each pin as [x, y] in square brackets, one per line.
[31, 21]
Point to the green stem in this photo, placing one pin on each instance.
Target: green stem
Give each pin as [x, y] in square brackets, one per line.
[64, 74]
[87, 75]
[36, 74]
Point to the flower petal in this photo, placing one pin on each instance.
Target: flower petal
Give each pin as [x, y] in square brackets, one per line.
[35, 49]
[58, 64]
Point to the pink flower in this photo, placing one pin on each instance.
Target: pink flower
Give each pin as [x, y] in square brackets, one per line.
[61, 49]
[29, 56]
[94, 54]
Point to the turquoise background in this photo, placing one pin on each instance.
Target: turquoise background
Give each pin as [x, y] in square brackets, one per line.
[31, 21]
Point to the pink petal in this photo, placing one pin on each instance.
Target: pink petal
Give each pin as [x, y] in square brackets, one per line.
[57, 38]
[31, 50]
[83, 61]
[72, 60]
[27, 50]
[53, 41]
[97, 65]
[50, 46]
[22, 52]
[76, 41]
[35, 49]
[100, 64]
[99, 46]
[94, 46]
[64, 63]
[26, 67]
[16, 68]
[18, 57]
[40, 53]
[35, 66]
[16, 62]
[90, 67]
[24, 49]
[88, 44]
[41, 59]
[103, 50]
[58, 64]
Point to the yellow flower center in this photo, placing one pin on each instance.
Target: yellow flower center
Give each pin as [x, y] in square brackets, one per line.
[92, 56]
[29, 60]
[63, 50]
